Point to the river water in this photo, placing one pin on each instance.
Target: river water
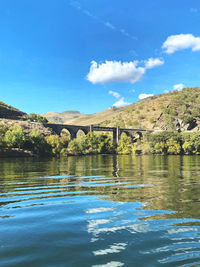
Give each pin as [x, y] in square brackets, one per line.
[100, 211]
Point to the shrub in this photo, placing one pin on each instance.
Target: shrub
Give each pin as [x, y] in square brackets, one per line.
[38, 143]
[186, 118]
[191, 143]
[124, 144]
[91, 144]
[135, 123]
[3, 130]
[54, 141]
[37, 118]
[141, 117]
[165, 143]
[15, 137]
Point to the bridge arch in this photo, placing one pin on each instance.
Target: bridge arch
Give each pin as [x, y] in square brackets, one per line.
[70, 131]
[81, 132]
[66, 132]
[140, 135]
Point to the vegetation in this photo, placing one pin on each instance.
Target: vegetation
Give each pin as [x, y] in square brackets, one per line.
[91, 144]
[15, 137]
[175, 143]
[177, 110]
[9, 112]
[166, 142]
[37, 118]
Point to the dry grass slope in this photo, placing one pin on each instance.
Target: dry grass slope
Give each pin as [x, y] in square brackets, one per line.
[176, 110]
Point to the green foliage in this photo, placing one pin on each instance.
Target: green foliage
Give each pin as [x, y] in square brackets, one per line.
[191, 143]
[3, 130]
[38, 144]
[186, 118]
[165, 143]
[173, 146]
[135, 123]
[15, 137]
[90, 144]
[106, 122]
[54, 141]
[37, 118]
[125, 145]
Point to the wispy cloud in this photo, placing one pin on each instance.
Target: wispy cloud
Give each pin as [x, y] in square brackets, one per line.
[115, 94]
[77, 5]
[109, 25]
[120, 102]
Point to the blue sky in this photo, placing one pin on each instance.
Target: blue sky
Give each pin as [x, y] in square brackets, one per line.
[89, 55]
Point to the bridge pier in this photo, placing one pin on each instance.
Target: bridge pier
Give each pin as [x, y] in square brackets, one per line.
[91, 128]
[116, 135]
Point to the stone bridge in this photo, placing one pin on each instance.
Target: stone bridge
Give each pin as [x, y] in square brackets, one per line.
[73, 130]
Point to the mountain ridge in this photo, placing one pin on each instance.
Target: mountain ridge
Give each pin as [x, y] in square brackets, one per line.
[176, 110]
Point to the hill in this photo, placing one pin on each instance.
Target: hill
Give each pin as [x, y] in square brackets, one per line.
[62, 117]
[9, 112]
[177, 110]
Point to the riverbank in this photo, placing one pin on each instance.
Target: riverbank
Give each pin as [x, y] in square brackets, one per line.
[16, 141]
[16, 153]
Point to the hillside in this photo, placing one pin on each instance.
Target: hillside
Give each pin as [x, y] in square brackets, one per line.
[177, 110]
[9, 112]
[62, 117]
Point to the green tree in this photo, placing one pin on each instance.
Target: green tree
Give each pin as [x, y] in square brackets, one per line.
[55, 142]
[38, 143]
[3, 130]
[37, 118]
[191, 143]
[15, 137]
[125, 144]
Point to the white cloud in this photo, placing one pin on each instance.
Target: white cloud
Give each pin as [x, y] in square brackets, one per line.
[121, 103]
[178, 86]
[153, 62]
[117, 71]
[143, 96]
[115, 94]
[180, 42]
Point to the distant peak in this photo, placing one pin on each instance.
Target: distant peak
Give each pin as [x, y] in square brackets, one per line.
[71, 112]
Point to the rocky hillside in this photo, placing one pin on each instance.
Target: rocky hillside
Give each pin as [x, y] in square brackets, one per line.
[177, 110]
[9, 112]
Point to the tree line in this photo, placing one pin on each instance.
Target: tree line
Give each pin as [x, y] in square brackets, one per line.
[167, 142]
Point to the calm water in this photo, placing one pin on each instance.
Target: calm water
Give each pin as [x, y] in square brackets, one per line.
[100, 211]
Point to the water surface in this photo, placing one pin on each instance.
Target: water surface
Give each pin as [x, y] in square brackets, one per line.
[100, 211]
